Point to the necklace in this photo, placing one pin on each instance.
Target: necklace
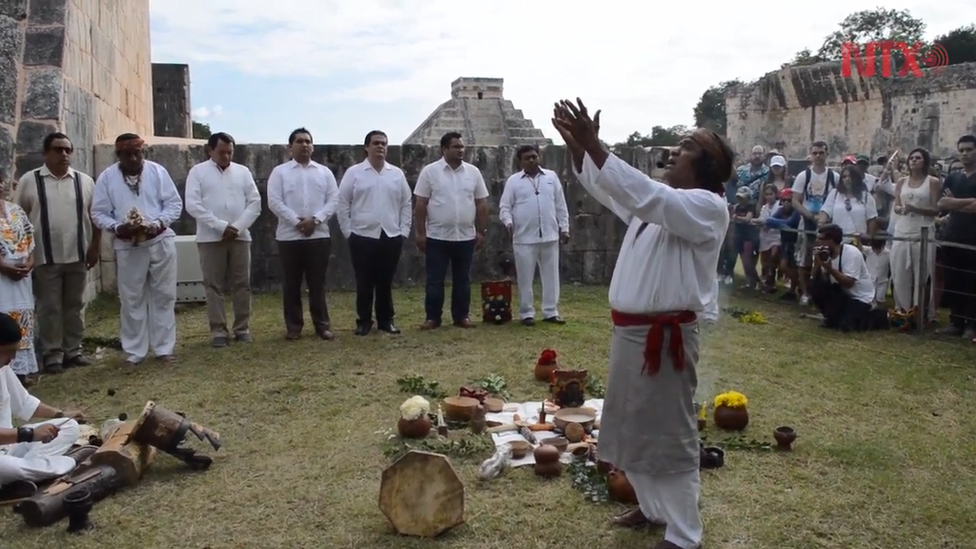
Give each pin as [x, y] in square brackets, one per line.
[535, 180]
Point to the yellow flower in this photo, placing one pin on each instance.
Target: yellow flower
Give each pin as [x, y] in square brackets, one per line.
[753, 318]
[731, 399]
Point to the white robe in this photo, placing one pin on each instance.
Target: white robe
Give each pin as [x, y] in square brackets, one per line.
[147, 270]
[31, 461]
[666, 264]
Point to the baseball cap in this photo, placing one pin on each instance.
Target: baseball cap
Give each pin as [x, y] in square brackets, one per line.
[786, 194]
[863, 159]
[777, 161]
[743, 192]
[850, 159]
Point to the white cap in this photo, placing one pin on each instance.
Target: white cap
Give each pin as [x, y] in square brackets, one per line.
[777, 161]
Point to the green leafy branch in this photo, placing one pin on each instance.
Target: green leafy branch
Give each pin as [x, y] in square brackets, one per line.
[417, 385]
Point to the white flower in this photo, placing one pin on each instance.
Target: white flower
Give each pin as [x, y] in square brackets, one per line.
[414, 407]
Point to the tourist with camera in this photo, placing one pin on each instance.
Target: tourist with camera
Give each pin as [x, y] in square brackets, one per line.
[841, 286]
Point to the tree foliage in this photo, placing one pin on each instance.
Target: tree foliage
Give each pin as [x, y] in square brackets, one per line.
[659, 137]
[710, 110]
[959, 44]
[874, 25]
[201, 130]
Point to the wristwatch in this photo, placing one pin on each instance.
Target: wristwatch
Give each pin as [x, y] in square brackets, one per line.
[316, 220]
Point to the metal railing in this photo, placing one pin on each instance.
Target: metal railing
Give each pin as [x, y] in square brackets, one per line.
[925, 289]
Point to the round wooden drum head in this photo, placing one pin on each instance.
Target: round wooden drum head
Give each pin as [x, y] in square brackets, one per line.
[422, 495]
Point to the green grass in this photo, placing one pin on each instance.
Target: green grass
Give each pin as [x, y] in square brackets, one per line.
[884, 457]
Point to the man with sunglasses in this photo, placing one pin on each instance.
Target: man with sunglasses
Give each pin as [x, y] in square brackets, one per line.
[58, 199]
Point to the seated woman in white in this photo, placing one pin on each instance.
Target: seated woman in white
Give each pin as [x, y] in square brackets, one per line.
[34, 452]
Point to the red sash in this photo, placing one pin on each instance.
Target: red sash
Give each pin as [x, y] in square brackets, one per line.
[655, 336]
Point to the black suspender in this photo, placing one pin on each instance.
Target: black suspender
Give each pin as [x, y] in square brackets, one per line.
[46, 217]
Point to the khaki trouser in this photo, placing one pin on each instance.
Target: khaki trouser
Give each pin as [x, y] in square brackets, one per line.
[226, 267]
[59, 291]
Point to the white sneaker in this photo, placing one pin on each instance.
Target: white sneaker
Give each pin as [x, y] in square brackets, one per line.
[805, 300]
[728, 281]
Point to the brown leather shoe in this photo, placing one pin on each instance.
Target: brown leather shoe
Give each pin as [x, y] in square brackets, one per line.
[166, 359]
[466, 323]
[326, 335]
[293, 336]
[429, 325]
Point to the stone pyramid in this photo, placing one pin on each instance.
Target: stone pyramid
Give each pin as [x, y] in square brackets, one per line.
[479, 112]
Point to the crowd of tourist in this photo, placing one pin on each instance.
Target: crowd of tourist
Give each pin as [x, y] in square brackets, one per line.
[795, 234]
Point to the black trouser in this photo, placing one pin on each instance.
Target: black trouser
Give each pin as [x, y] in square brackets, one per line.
[838, 308]
[960, 284]
[374, 261]
[728, 256]
[460, 255]
[308, 260]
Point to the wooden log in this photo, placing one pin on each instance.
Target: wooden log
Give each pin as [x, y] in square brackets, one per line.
[47, 507]
[129, 458]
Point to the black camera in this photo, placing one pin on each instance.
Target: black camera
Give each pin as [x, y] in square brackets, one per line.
[823, 252]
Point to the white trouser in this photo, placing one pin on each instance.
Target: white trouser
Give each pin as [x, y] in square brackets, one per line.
[546, 256]
[39, 461]
[147, 290]
[905, 275]
[672, 499]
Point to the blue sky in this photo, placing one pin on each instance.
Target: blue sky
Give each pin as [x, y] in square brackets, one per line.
[259, 69]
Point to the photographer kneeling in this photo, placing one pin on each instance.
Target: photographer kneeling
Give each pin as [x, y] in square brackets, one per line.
[841, 285]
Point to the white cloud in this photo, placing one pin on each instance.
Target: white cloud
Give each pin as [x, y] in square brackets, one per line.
[204, 113]
[643, 64]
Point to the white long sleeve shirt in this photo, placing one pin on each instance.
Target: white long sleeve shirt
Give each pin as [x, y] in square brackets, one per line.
[374, 202]
[15, 401]
[158, 201]
[670, 265]
[451, 194]
[218, 198]
[296, 191]
[535, 206]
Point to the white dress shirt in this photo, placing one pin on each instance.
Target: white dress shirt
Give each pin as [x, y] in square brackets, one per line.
[158, 201]
[535, 207]
[451, 198]
[373, 202]
[15, 401]
[219, 198]
[670, 265]
[296, 191]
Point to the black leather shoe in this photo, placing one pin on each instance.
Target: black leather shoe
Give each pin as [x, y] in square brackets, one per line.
[363, 329]
[554, 320]
[77, 360]
[389, 328]
[528, 322]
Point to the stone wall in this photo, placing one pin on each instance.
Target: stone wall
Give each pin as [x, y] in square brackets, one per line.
[78, 66]
[790, 108]
[171, 100]
[589, 258]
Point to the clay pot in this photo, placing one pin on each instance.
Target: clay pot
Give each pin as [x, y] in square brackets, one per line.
[784, 438]
[548, 470]
[414, 428]
[546, 454]
[543, 372]
[619, 488]
[602, 467]
[731, 419]
[701, 424]
[560, 443]
[519, 448]
[711, 457]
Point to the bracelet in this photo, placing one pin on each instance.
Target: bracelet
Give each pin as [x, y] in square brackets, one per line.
[25, 434]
